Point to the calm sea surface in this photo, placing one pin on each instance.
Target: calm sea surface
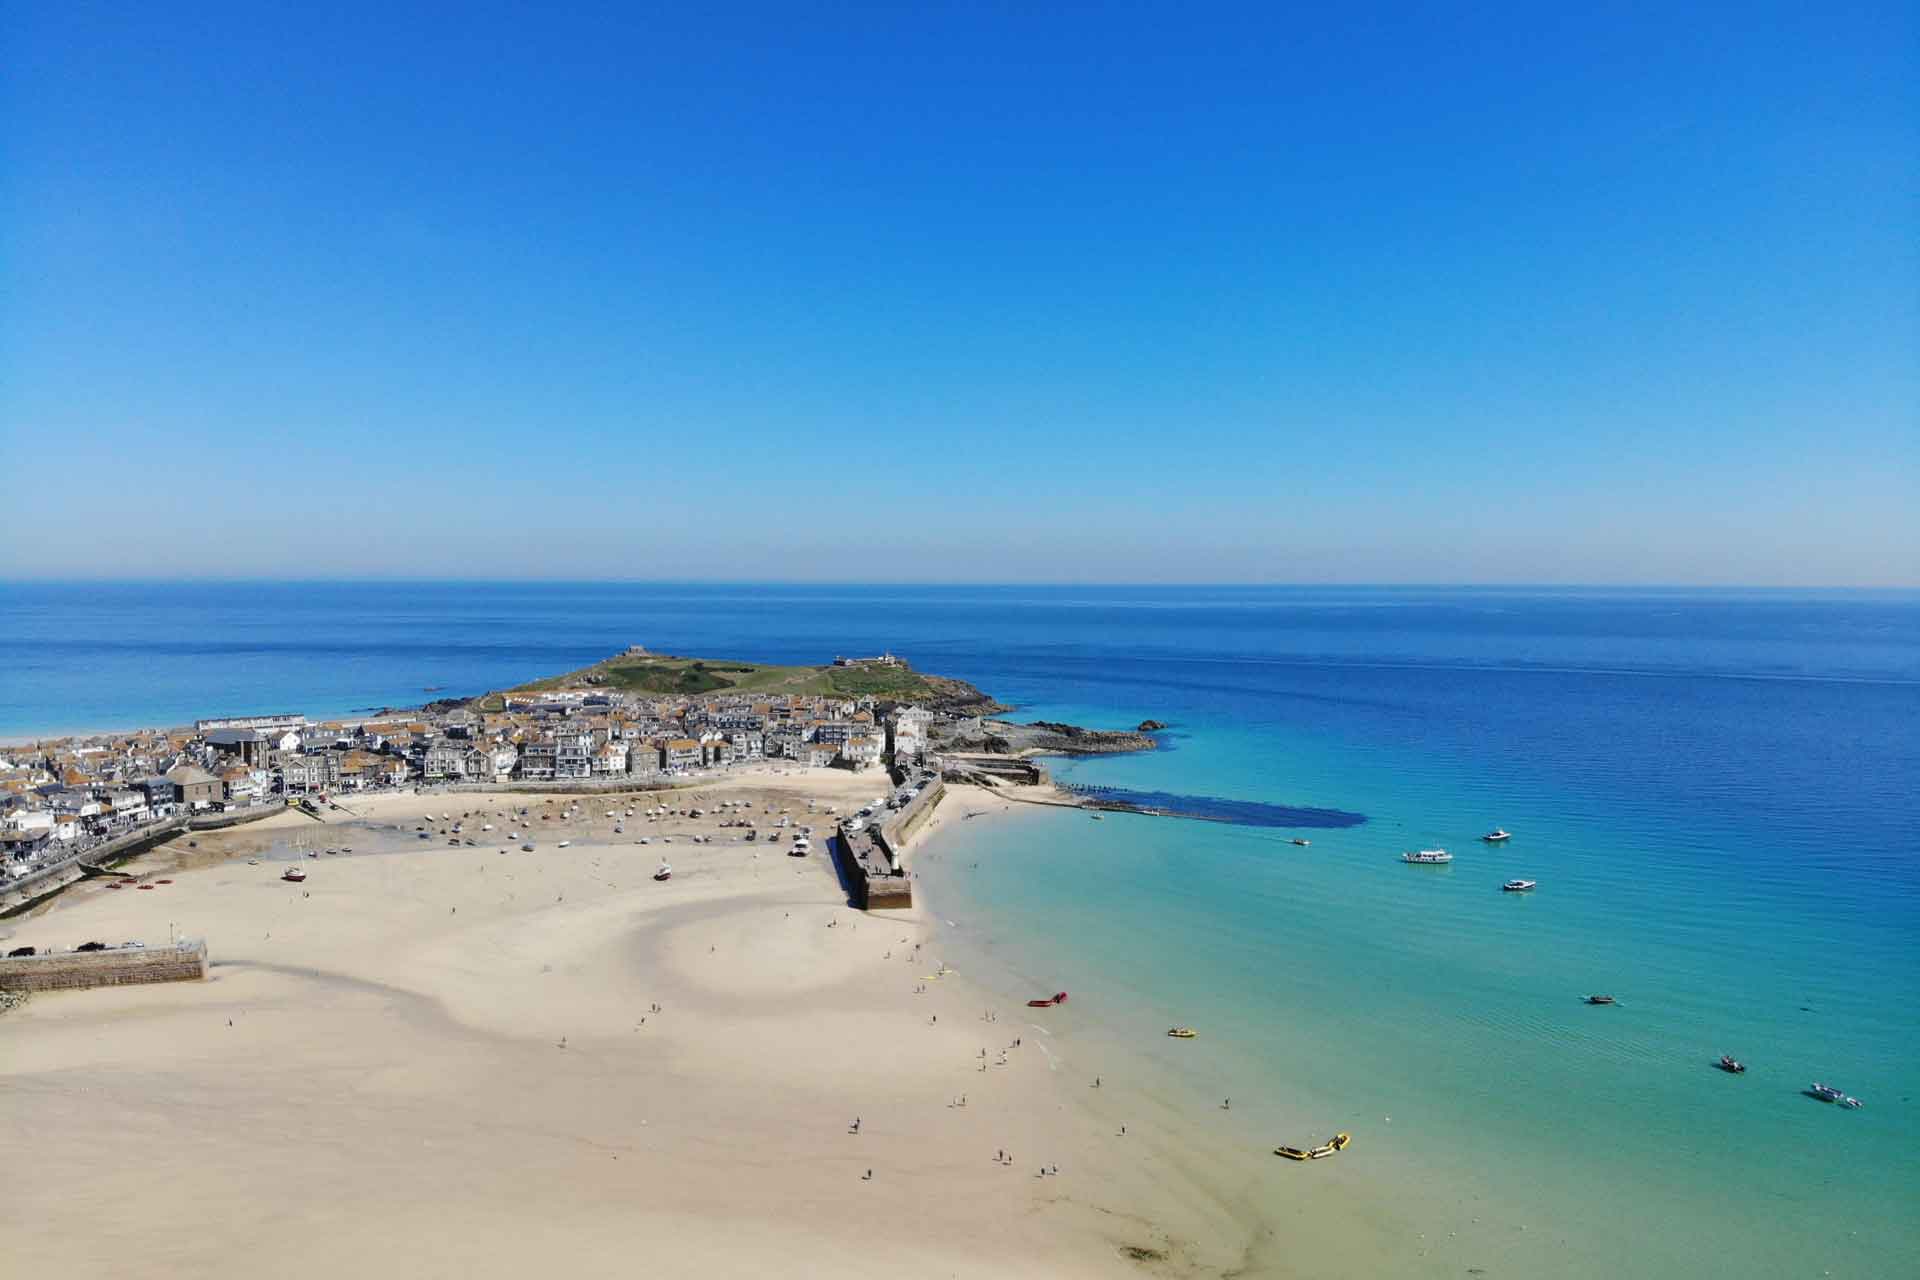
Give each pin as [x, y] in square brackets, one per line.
[1716, 792]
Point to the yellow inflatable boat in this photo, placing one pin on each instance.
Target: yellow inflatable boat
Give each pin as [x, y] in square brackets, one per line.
[1339, 1143]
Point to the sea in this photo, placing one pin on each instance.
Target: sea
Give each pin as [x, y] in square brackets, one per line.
[1714, 790]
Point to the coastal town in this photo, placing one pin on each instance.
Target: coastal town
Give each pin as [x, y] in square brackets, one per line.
[67, 800]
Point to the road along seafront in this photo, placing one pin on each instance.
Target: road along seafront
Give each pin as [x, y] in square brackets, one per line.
[481, 1057]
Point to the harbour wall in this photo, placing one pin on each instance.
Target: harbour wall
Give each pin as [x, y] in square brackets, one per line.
[121, 966]
[577, 787]
[870, 855]
[994, 770]
[235, 817]
[58, 875]
[899, 828]
[51, 879]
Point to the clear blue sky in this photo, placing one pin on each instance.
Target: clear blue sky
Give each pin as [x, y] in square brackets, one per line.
[1442, 293]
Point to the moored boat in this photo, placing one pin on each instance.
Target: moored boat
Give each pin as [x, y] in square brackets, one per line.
[1183, 1033]
[1827, 1093]
[1732, 1067]
[1496, 835]
[1518, 886]
[1600, 1000]
[1427, 857]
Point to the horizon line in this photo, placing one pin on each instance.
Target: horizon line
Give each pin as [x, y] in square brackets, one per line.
[457, 580]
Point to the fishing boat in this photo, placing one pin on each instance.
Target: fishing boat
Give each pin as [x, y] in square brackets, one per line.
[1600, 1000]
[1321, 1152]
[1827, 1093]
[1732, 1067]
[1518, 886]
[1427, 857]
[294, 874]
[1183, 1033]
[664, 872]
[1496, 835]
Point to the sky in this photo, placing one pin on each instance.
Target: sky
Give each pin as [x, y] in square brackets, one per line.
[1261, 293]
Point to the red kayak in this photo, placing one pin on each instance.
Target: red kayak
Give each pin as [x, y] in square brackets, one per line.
[1058, 997]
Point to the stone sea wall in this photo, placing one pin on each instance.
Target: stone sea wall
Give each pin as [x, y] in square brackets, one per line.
[74, 970]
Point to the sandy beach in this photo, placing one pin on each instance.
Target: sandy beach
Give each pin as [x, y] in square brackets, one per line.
[441, 1060]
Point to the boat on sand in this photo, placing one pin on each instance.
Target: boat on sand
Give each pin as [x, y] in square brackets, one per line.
[1183, 1033]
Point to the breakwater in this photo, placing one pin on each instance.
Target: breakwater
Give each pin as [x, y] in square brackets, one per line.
[113, 967]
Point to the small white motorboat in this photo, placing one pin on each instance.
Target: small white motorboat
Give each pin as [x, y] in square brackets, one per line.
[1427, 857]
[1827, 1093]
[1518, 886]
[1496, 835]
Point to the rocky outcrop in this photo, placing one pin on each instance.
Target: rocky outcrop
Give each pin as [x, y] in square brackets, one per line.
[1051, 737]
[958, 698]
[1150, 726]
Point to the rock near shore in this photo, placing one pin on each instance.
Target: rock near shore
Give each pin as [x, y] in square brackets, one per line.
[1150, 726]
[1051, 737]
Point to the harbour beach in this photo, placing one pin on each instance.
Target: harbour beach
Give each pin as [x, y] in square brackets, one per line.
[562, 1060]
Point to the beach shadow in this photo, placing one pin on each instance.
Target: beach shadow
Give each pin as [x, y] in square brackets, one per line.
[840, 857]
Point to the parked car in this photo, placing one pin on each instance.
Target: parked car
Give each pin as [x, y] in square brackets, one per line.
[22, 951]
[91, 946]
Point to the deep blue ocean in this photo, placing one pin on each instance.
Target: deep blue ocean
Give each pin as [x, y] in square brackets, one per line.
[1715, 791]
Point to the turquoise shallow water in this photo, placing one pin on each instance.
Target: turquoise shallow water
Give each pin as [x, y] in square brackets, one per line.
[1715, 791]
[1342, 987]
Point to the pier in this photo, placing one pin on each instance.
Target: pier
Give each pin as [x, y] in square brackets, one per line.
[871, 856]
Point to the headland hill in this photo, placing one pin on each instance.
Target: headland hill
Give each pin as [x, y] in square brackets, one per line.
[468, 966]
